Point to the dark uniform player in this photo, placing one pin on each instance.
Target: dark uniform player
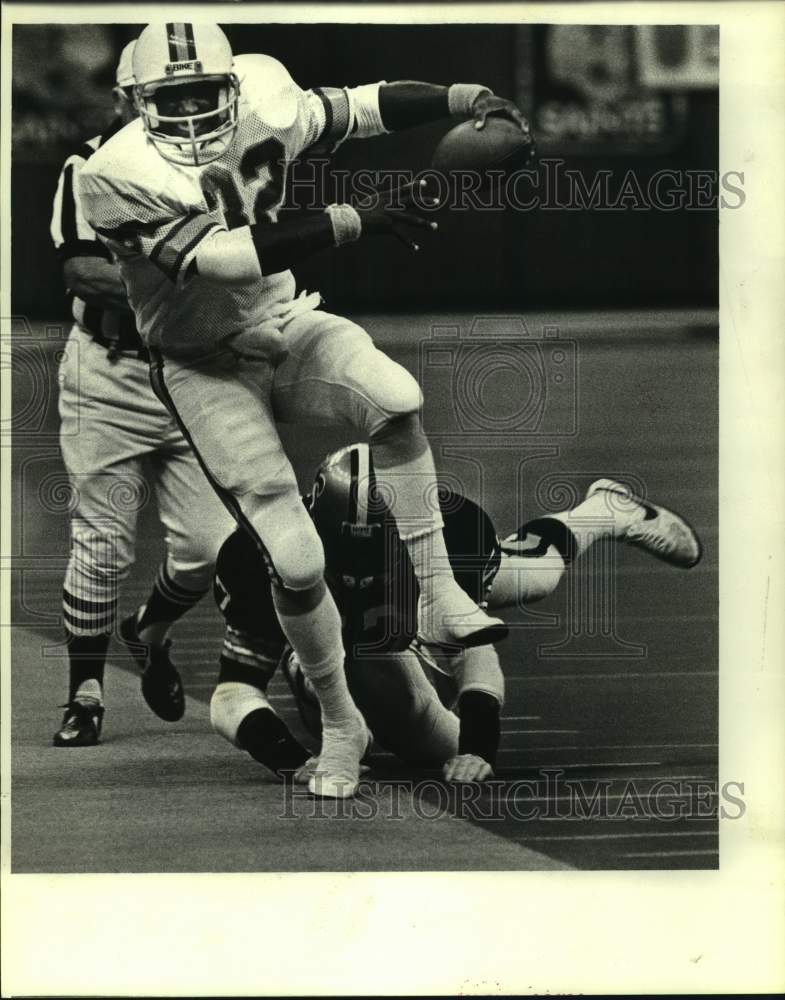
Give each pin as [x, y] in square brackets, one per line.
[434, 711]
[376, 589]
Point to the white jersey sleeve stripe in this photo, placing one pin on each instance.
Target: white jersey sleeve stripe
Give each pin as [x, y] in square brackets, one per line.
[367, 117]
[338, 118]
[176, 247]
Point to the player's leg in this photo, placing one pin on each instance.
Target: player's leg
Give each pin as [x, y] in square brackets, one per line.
[223, 410]
[253, 646]
[399, 703]
[103, 464]
[403, 709]
[403, 699]
[196, 523]
[535, 558]
[240, 710]
[334, 372]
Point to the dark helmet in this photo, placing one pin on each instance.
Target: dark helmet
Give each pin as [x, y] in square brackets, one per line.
[361, 542]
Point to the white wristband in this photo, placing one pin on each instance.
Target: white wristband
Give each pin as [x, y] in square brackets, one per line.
[461, 97]
[346, 222]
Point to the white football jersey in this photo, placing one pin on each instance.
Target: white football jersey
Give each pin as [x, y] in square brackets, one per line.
[154, 215]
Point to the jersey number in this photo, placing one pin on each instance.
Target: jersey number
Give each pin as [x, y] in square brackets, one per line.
[218, 183]
[221, 594]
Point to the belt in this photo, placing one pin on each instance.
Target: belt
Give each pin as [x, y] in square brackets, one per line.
[112, 329]
[119, 349]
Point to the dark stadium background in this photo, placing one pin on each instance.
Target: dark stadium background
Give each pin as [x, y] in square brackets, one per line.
[635, 292]
[494, 259]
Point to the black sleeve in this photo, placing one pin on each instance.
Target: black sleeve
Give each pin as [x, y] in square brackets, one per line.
[480, 730]
[407, 103]
[281, 246]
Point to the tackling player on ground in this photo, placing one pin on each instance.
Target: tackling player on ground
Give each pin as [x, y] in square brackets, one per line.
[185, 199]
[438, 711]
[110, 422]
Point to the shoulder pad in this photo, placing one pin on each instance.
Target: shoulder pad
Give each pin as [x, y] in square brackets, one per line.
[129, 168]
[267, 88]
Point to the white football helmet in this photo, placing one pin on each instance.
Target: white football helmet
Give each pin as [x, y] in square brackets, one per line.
[124, 76]
[186, 92]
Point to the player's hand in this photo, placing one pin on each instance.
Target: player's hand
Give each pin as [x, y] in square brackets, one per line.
[398, 213]
[490, 104]
[467, 767]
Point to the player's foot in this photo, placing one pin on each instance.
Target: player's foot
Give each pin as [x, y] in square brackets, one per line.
[453, 621]
[81, 724]
[337, 772]
[306, 771]
[162, 688]
[660, 531]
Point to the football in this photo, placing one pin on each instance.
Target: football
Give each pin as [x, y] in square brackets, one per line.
[499, 145]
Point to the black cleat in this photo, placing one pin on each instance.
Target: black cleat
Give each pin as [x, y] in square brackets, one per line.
[162, 687]
[81, 725]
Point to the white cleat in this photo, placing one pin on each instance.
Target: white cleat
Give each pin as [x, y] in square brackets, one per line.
[661, 532]
[336, 774]
[306, 771]
[454, 621]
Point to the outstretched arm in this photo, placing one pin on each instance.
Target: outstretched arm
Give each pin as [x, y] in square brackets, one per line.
[479, 680]
[407, 103]
[243, 255]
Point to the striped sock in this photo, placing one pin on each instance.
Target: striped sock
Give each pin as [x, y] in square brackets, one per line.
[89, 612]
[83, 617]
[167, 602]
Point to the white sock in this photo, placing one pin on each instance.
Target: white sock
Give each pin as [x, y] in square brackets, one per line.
[315, 636]
[331, 689]
[406, 475]
[603, 515]
[431, 564]
[89, 691]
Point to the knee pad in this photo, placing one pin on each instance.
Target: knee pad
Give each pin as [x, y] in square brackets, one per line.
[230, 704]
[388, 389]
[298, 557]
[301, 568]
[285, 535]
